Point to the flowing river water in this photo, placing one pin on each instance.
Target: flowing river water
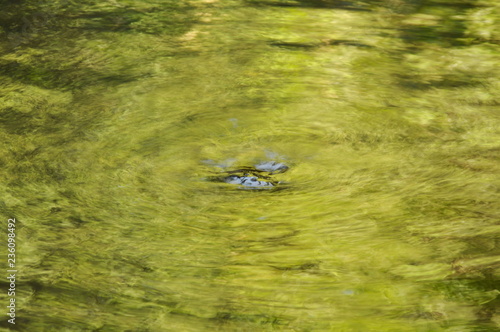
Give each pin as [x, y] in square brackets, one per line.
[114, 114]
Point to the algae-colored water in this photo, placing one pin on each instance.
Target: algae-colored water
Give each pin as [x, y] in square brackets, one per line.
[386, 112]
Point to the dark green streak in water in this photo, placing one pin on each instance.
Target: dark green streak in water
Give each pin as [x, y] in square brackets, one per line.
[385, 111]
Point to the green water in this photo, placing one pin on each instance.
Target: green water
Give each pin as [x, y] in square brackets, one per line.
[386, 112]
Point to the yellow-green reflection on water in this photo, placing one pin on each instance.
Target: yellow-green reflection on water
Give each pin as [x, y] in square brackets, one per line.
[386, 112]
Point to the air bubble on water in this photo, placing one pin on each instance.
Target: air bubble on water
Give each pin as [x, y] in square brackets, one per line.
[348, 292]
[234, 121]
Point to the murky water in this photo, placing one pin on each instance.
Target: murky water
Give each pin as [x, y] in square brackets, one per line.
[115, 113]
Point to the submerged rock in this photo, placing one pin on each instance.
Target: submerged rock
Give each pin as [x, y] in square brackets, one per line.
[258, 176]
[272, 167]
[248, 181]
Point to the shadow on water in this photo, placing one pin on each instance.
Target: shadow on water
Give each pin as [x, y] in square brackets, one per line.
[324, 4]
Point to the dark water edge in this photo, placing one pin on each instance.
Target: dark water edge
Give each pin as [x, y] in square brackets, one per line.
[385, 111]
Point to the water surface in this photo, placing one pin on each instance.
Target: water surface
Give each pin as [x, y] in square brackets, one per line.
[385, 111]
